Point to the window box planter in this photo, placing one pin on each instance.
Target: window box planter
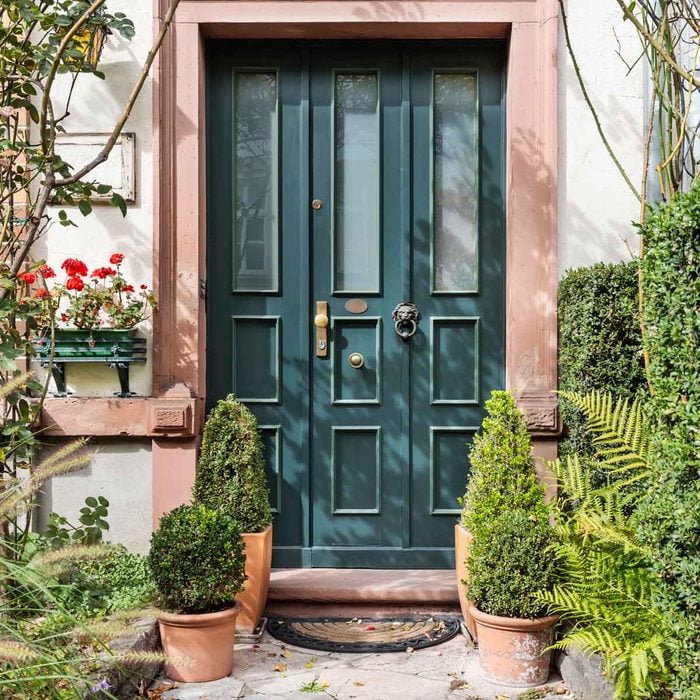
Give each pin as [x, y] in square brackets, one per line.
[115, 347]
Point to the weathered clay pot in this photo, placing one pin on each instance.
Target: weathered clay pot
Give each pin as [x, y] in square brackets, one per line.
[258, 561]
[512, 650]
[463, 540]
[200, 647]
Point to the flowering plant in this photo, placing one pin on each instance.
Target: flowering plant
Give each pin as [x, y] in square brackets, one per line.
[100, 299]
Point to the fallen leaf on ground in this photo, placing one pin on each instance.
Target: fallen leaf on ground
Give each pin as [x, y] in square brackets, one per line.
[370, 627]
[456, 684]
[286, 654]
[359, 684]
[280, 668]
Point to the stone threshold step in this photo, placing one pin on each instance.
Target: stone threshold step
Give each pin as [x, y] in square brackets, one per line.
[401, 587]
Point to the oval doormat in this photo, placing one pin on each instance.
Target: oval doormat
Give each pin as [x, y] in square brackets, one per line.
[353, 635]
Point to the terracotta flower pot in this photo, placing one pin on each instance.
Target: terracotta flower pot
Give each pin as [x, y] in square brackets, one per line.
[258, 561]
[463, 540]
[200, 646]
[512, 649]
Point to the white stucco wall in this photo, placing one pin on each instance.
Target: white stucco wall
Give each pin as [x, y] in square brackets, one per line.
[596, 207]
[96, 106]
[121, 472]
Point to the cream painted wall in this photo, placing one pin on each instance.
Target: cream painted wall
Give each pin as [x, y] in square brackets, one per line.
[595, 205]
[96, 105]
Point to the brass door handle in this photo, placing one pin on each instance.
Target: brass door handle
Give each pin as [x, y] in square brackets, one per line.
[356, 360]
[321, 323]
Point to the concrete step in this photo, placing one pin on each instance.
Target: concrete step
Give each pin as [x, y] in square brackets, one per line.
[361, 592]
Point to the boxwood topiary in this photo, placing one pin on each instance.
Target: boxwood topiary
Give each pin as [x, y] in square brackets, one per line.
[503, 475]
[510, 563]
[231, 469]
[197, 560]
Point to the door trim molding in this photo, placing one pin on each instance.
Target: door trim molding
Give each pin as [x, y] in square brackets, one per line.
[531, 28]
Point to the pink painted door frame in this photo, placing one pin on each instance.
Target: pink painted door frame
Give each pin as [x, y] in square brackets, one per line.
[531, 185]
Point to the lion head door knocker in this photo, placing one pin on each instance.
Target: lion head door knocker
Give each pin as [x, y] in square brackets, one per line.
[406, 317]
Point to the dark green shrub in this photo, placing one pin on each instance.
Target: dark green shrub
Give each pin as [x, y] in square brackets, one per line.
[510, 565]
[669, 516]
[600, 344]
[503, 476]
[197, 560]
[231, 469]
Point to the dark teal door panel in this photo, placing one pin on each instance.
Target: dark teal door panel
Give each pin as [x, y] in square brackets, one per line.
[402, 147]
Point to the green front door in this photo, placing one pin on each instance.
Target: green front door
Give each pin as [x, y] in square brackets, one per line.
[360, 176]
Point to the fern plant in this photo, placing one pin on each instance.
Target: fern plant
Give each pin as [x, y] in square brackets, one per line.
[608, 592]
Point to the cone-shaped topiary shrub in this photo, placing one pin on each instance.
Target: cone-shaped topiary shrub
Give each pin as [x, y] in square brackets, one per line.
[503, 476]
[197, 560]
[231, 470]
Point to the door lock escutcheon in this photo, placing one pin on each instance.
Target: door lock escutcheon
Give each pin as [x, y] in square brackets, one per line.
[321, 323]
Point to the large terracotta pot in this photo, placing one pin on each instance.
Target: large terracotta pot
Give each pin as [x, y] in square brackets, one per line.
[512, 649]
[258, 561]
[200, 647]
[463, 540]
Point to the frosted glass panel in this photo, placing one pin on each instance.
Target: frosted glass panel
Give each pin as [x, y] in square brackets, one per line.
[455, 227]
[356, 182]
[255, 148]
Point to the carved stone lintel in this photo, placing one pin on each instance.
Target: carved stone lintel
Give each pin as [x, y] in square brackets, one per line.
[541, 413]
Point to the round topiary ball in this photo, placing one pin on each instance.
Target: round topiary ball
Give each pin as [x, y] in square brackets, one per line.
[197, 560]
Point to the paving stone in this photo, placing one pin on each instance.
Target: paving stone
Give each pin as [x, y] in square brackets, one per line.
[274, 671]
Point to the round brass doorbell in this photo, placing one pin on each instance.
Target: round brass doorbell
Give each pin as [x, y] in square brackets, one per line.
[316, 204]
[356, 360]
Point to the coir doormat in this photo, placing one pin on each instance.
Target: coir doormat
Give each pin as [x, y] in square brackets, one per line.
[353, 635]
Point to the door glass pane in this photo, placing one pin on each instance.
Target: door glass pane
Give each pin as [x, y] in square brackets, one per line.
[255, 148]
[455, 187]
[356, 182]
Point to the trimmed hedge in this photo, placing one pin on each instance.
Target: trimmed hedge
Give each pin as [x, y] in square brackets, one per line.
[600, 345]
[668, 517]
[231, 469]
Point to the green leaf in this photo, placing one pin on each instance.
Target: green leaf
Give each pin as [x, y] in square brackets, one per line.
[85, 207]
[91, 501]
[118, 201]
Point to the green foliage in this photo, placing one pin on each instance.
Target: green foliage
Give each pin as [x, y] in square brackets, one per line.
[503, 476]
[608, 591]
[600, 345]
[231, 469]
[119, 581]
[510, 562]
[668, 517]
[93, 521]
[197, 560]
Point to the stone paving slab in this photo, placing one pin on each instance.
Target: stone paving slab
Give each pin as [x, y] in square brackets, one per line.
[271, 671]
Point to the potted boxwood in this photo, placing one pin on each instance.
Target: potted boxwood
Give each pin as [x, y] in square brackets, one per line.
[510, 564]
[198, 566]
[501, 478]
[231, 478]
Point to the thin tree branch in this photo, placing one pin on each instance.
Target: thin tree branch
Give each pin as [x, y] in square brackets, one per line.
[592, 109]
[653, 41]
[102, 156]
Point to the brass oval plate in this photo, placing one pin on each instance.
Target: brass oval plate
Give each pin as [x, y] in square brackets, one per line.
[356, 306]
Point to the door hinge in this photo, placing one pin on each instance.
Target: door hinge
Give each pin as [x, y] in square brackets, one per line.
[202, 288]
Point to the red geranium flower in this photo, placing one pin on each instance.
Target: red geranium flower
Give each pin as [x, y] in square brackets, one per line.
[27, 277]
[116, 258]
[41, 293]
[74, 267]
[47, 272]
[75, 283]
[129, 288]
[143, 286]
[103, 272]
